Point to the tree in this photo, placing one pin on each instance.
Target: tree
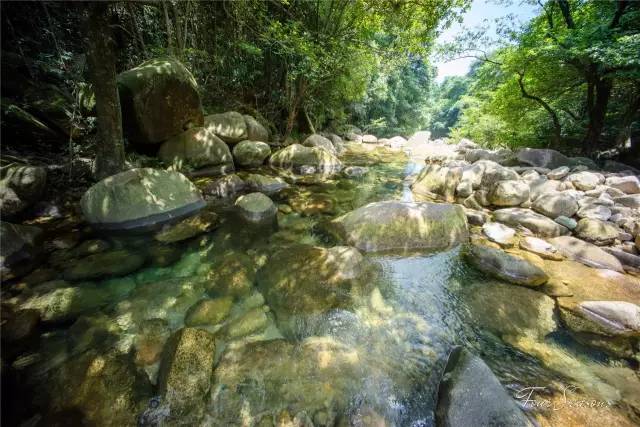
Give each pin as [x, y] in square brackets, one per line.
[101, 57]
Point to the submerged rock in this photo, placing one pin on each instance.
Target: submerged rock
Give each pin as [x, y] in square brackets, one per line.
[502, 265]
[140, 198]
[104, 264]
[403, 226]
[471, 395]
[309, 279]
[190, 227]
[159, 100]
[208, 311]
[256, 207]
[232, 274]
[185, 373]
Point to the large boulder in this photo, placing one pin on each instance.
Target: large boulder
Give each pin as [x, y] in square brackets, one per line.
[541, 186]
[507, 267]
[140, 198]
[320, 141]
[539, 224]
[502, 157]
[542, 157]
[19, 249]
[554, 205]
[509, 193]
[403, 226]
[231, 126]
[494, 172]
[251, 153]
[255, 130]
[436, 180]
[586, 253]
[196, 147]
[20, 186]
[296, 156]
[303, 279]
[630, 201]
[185, 373]
[467, 375]
[159, 100]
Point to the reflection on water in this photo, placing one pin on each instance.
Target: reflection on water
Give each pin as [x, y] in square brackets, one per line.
[372, 355]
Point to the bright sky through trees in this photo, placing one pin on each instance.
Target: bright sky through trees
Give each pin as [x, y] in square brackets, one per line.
[482, 13]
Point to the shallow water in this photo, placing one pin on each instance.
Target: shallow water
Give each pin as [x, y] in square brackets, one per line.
[376, 359]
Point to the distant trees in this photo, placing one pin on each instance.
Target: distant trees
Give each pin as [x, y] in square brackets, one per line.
[570, 78]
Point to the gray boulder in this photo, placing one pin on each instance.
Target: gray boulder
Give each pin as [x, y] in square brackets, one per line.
[539, 224]
[231, 126]
[613, 317]
[224, 187]
[597, 231]
[509, 193]
[296, 156]
[499, 233]
[507, 267]
[403, 226]
[196, 147]
[467, 375]
[586, 253]
[630, 201]
[255, 130]
[629, 184]
[585, 180]
[251, 153]
[319, 141]
[436, 180]
[556, 204]
[542, 157]
[140, 198]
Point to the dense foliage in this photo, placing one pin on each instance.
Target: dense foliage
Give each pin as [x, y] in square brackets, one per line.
[297, 65]
[569, 79]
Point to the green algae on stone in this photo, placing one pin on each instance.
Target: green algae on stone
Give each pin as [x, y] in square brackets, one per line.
[252, 321]
[187, 228]
[208, 311]
[232, 274]
[185, 373]
[104, 264]
[196, 147]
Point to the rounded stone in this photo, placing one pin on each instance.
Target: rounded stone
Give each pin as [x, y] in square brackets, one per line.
[140, 198]
[251, 153]
[256, 207]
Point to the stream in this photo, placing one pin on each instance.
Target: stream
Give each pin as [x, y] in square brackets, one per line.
[376, 360]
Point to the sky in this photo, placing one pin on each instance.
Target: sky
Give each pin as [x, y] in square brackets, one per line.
[481, 11]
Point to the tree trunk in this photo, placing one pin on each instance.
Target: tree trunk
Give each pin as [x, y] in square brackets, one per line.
[101, 57]
[296, 101]
[167, 22]
[557, 127]
[629, 117]
[598, 100]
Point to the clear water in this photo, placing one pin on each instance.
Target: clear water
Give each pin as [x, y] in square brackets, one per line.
[377, 361]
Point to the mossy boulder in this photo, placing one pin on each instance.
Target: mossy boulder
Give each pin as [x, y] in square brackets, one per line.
[403, 226]
[185, 373]
[159, 99]
[196, 147]
[255, 130]
[296, 156]
[319, 141]
[436, 180]
[231, 126]
[140, 198]
[256, 208]
[251, 153]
